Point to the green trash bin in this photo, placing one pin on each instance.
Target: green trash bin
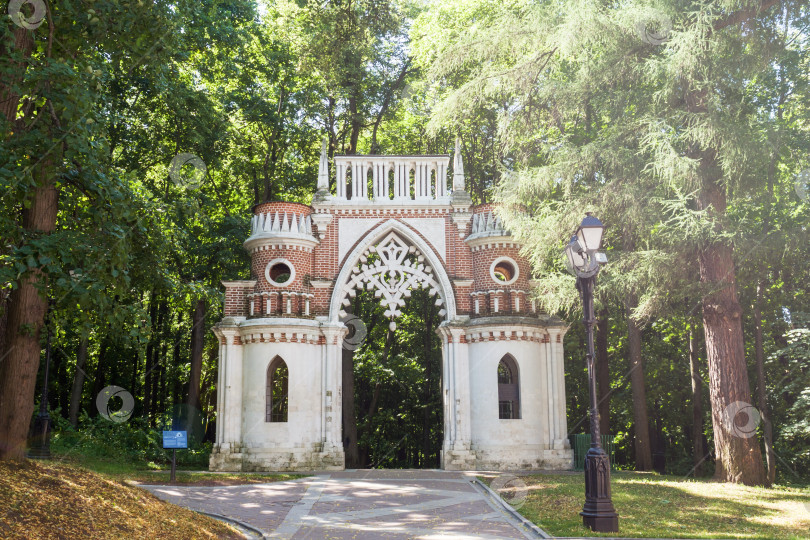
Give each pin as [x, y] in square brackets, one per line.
[581, 442]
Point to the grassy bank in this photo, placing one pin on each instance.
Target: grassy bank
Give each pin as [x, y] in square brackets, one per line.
[50, 500]
[665, 507]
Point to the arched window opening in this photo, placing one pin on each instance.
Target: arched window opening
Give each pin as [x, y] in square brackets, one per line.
[276, 397]
[508, 389]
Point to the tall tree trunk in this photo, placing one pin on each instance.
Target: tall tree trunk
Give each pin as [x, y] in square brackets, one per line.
[160, 365]
[4, 296]
[62, 397]
[9, 97]
[698, 452]
[355, 121]
[197, 345]
[26, 314]
[602, 371]
[78, 381]
[640, 420]
[17, 355]
[737, 455]
[150, 348]
[179, 390]
[153, 374]
[99, 378]
[762, 394]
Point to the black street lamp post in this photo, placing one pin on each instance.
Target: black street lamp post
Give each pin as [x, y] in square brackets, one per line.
[41, 440]
[584, 260]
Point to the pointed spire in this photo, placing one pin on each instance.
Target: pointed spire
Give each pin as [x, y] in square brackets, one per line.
[323, 168]
[491, 221]
[458, 168]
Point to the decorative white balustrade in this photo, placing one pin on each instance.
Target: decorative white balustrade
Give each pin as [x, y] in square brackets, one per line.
[391, 177]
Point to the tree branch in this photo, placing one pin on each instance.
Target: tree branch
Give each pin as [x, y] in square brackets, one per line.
[743, 15]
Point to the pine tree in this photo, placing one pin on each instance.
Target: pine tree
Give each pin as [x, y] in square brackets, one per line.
[651, 116]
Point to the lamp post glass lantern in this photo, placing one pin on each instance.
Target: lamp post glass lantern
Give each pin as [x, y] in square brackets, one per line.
[584, 259]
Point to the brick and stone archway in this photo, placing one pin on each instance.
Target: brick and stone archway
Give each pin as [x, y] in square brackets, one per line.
[390, 234]
[393, 223]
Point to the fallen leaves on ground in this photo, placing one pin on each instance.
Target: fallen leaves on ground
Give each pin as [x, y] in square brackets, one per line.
[43, 500]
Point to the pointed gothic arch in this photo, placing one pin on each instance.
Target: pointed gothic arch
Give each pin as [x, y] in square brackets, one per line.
[508, 388]
[277, 391]
[433, 273]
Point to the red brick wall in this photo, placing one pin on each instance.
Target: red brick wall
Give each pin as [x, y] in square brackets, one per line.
[460, 263]
[281, 207]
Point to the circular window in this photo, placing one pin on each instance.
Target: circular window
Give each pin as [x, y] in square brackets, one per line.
[279, 272]
[504, 271]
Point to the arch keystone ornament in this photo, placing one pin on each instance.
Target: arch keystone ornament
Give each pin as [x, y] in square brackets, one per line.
[394, 224]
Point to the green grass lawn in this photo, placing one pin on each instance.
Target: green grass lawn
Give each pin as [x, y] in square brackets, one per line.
[656, 506]
[151, 473]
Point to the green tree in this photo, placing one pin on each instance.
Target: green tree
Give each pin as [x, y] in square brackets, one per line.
[649, 116]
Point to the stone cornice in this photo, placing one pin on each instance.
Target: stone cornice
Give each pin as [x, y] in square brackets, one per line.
[476, 241]
[383, 207]
[280, 241]
[239, 284]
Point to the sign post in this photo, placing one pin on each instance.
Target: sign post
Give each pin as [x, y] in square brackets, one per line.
[175, 440]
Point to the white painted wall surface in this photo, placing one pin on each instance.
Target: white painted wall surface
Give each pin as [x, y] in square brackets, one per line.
[302, 428]
[490, 432]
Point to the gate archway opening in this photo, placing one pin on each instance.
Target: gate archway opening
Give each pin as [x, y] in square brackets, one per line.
[392, 401]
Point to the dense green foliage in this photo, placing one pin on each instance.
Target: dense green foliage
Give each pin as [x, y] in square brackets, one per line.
[683, 126]
[397, 385]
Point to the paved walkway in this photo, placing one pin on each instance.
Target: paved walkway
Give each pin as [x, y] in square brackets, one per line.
[356, 505]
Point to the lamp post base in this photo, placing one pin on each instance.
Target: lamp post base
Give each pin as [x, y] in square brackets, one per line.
[598, 513]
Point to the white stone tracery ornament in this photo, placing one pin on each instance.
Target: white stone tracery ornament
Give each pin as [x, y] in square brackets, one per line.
[395, 271]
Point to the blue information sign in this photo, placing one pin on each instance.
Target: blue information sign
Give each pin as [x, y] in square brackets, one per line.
[175, 439]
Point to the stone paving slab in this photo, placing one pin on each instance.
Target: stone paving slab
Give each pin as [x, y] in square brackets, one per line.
[356, 505]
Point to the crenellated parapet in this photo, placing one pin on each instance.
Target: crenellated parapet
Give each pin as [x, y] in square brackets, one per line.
[281, 224]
